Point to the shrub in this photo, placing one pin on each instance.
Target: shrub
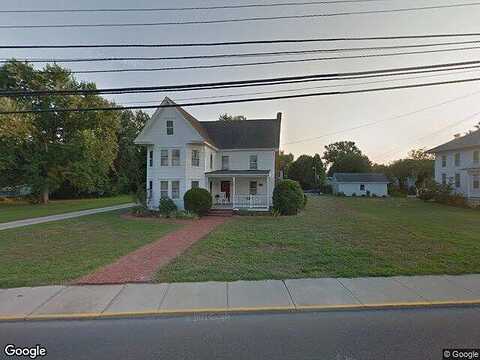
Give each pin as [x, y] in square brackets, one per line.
[412, 190]
[354, 194]
[184, 215]
[288, 197]
[166, 207]
[305, 201]
[341, 194]
[140, 196]
[198, 201]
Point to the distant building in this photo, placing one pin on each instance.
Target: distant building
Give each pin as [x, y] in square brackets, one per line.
[360, 184]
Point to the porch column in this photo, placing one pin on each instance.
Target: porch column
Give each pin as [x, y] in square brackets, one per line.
[268, 191]
[469, 179]
[233, 192]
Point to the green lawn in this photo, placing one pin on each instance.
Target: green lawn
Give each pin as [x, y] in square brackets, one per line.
[55, 252]
[23, 210]
[338, 237]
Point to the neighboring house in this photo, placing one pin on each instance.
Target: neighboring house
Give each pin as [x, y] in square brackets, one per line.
[457, 163]
[233, 159]
[367, 184]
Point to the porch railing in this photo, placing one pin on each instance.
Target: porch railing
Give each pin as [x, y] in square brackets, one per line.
[250, 201]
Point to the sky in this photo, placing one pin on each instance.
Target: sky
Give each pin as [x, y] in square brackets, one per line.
[385, 125]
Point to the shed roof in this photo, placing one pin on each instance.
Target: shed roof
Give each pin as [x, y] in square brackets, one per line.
[360, 178]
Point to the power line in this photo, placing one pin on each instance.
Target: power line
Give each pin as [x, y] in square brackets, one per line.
[117, 108]
[254, 54]
[258, 63]
[238, 20]
[396, 117]
[210, 85]
[248, 42]
[214, 7]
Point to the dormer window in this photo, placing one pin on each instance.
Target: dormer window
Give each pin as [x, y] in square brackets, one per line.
[169, 127]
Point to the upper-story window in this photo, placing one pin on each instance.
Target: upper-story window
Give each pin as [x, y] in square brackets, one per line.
[176, 157]
[150, 158]
[195, 157]
[476, 157]
[225, 162]
[169, 127]
[253, 162]
[457, 159]
[476, 182]
[164, 157]
[444, 160]
[211, 161]
[195, 184]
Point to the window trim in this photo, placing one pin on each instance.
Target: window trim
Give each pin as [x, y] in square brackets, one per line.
[253, 157]
[178, 159]
[227, 162]
[162, 157]
[195, 160]
[177, 191]
[162, 190]
[254, 187]
[170, 129]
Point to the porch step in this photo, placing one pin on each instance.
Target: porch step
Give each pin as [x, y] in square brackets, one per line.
[221, 212]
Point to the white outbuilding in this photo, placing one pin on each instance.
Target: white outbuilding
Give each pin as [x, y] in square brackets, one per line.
[360, 184]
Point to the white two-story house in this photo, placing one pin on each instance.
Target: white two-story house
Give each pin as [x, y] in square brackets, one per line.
[233, 160]
[457, 162]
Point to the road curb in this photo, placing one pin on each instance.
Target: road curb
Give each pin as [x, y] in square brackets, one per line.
[239, 310]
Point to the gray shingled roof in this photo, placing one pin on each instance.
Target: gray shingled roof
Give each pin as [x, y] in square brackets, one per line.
[360, 178]
[237, 134]
[244, 134]
[469, 140]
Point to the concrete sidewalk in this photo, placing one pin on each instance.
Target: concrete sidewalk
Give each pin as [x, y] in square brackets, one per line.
[70, 215]
[97, 301]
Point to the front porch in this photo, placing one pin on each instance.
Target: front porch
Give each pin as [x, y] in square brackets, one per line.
[237, 190]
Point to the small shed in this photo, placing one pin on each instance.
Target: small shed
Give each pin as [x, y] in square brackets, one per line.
[360, 184]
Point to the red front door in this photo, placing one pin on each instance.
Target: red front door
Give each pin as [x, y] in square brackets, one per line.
[225, 188]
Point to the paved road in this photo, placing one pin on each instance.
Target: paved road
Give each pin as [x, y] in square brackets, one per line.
[70, 215]
[344, 335]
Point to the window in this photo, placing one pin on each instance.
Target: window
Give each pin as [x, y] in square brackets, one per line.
[169, 127]
[225, 162]
[176, 157]
[444, 179]
[253, 162]
[476, 157]
[150, 157]
[164, 158]
[164, 189]
[195, 158]
[195, 184]
[211, 161]
[150, 185]
[444, 160]
[476, 182]
[175, 189]
[457, 159]
[362, 187]
[253, 188]
[457, 180]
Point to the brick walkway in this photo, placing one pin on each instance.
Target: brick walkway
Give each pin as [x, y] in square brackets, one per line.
[140, 265]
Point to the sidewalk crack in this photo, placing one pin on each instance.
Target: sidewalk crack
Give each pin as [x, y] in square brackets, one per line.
[289, 294]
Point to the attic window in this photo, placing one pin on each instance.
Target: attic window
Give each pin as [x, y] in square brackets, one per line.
[169, 127]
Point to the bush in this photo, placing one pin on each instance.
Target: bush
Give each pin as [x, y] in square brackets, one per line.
[288, 197]
[184, 215]
[412, 190]
[354, 194]
[341, 194]
[166, 207]
[198, 201]
[305, 201]
[140, 196]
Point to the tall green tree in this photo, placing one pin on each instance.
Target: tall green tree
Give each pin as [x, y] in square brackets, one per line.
[418, 166]
[345, 156]
[74, 147]
[283, 163]
[308, 171]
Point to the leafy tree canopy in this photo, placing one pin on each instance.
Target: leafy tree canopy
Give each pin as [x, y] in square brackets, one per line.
[345, 156]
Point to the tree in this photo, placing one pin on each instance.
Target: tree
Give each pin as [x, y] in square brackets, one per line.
[304, 169]
[345, 156]
[130, 165]
[283, 162]
[418, 166]
[74, 147]
[228, 117]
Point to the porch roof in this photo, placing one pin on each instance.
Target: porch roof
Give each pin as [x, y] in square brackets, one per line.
[238, 172]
